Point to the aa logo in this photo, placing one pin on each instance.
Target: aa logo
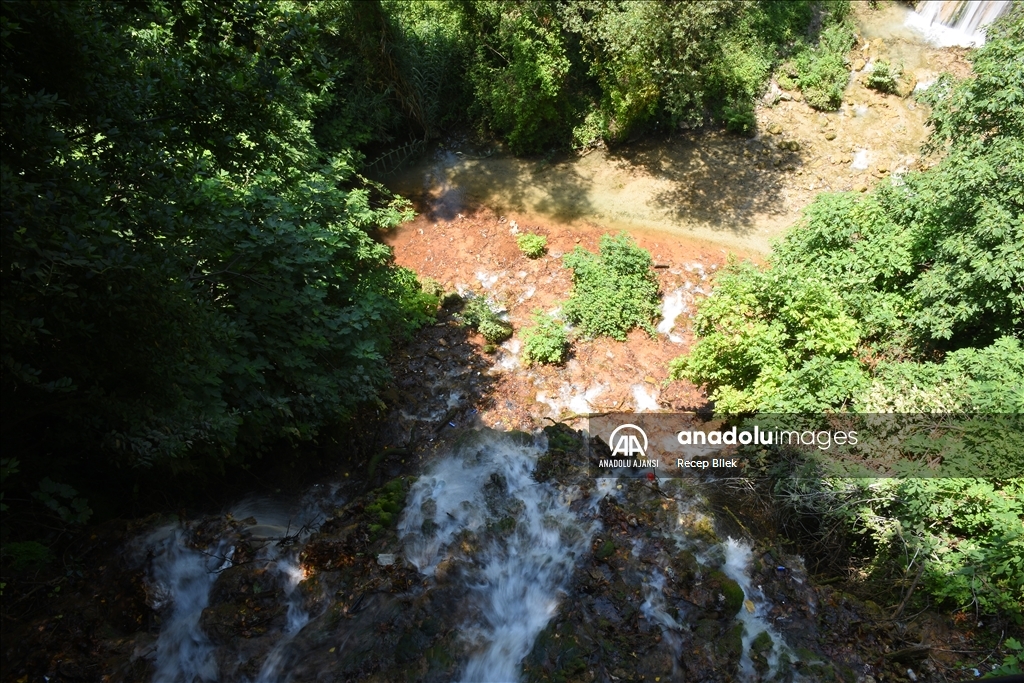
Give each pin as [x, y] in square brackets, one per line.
[629, 441]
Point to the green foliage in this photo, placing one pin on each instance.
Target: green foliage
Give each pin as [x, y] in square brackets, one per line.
[26, 555]
[613, 292]
[478, 314]
[663, 64]
[63, 500]
[545, 341]
[774, 340]
[823, 72]
[8, 467]
[577, 73]
[187, 275]
[532, 246]
[739, 117]
[908, 299]
[385, 505]
[970, 535]
[1012, 663]
[520, 73]
[885, 77]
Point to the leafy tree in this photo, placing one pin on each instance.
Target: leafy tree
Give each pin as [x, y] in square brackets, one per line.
[520, 73]
[186, 274]
[906, 300]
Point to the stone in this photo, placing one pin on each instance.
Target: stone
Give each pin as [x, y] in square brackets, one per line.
[386, 559]
[858, 64]
[830, 135]
[774, 128]
[773, 95]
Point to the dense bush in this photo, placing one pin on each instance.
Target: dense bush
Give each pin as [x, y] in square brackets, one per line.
[532, 246]
[907, 300]
[884, 77]
[614, 291]
[822, 70]
[546, 341]
[187, 275]
[576, 73]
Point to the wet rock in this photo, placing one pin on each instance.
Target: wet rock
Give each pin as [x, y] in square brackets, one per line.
[760, 649]
[245, 602]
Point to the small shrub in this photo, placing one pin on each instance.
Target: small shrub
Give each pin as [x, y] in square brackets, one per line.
[885, 77]
[823, 72]
[614, 291]
[739, 117]
[478, 314]
[545, 342]
[532, 246]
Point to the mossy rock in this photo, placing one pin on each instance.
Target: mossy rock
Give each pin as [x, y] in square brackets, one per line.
[685, 567]
[385, 504]
[760, 649]
[730, 590]
[729, 646]
[562, 439]
[562, 455]
[556, 655]
[606, 550]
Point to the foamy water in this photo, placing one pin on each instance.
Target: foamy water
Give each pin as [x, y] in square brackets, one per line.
[182, 578]
[517, 580]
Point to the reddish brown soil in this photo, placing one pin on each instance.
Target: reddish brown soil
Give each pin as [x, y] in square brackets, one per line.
[477, 252]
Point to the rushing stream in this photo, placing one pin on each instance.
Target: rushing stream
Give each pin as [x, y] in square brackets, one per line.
[516, 581]
[511, 551]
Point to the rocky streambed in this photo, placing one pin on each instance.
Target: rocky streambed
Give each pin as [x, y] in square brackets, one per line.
[501, 560]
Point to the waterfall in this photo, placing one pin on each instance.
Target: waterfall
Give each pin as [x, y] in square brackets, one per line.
[298, 617]
[182, 579]
[518, 576]
[956, 22]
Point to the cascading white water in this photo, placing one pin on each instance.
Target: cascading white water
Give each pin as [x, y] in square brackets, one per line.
[182, 579]
[655, 609]
[737, 567]
[956, 22]
[298, 617]
[516, 584]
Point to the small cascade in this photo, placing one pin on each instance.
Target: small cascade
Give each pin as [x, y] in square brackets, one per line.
[948, 23]
[738, 557]
[298, 617]
[182, 578]
[529, 541]
[655, 609]
[258, 533]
